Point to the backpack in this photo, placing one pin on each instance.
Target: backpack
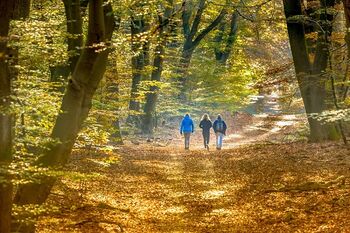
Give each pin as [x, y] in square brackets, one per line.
[220, 126]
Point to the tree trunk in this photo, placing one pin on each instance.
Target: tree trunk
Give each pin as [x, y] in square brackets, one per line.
[185, 61]
[116, 135]
[138, 61]
[151, 98]
[75, 41]
[323, 96]
[224, 47]
[21, 9]
[6, 12]
[5, 83]
[311, 78]
[301, 62]
[76, 103]
[73, 11]
[74, 30]
[345, 88]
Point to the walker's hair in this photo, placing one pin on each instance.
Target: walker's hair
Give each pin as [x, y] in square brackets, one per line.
[219, 116]
[205, 117]
[187, 115]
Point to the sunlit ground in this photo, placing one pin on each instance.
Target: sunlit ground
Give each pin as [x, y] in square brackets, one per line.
[270, 188]
[262, 127]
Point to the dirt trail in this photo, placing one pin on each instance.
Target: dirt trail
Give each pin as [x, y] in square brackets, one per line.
[154, 189]
[242, 130]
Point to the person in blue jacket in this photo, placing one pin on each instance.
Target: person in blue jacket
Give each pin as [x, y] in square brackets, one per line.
[219, 127]
[186, 129]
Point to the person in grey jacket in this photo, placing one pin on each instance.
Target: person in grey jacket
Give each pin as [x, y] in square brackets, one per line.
[219, 127]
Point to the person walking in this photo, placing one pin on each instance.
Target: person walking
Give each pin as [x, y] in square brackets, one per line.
[205, 125]
[219, 127]
[187, 128]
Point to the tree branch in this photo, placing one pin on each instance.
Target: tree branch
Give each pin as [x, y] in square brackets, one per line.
[210, 27]
[197, 19]
[186, 15]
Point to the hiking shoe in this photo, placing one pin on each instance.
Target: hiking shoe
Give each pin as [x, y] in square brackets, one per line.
[207, 147]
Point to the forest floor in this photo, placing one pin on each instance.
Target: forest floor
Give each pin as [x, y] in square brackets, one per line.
[253, 185]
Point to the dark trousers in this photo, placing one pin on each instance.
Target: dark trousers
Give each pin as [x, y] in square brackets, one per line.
[206, 137]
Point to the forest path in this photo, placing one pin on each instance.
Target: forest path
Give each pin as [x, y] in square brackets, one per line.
[243, 129]
[256, 188]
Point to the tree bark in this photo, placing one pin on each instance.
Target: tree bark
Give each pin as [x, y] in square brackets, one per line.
[224, 47]
[7, 9]
[21, 9]
[73, 12]
[76, 102]
[165, 29]
[345, 88]
[116, 136]
[74, 30]
[138, 28]
[113, 88]
[5, 82]
[151, 98]
[310, 76]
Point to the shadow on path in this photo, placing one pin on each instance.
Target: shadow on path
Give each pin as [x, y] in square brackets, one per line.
[247, 189]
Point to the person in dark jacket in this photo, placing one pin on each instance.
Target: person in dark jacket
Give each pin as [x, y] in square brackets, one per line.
[205, 125]
[219, 127]
[187, 128]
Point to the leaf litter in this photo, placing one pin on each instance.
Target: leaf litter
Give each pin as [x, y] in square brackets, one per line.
[263, 181]
[294, 187]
